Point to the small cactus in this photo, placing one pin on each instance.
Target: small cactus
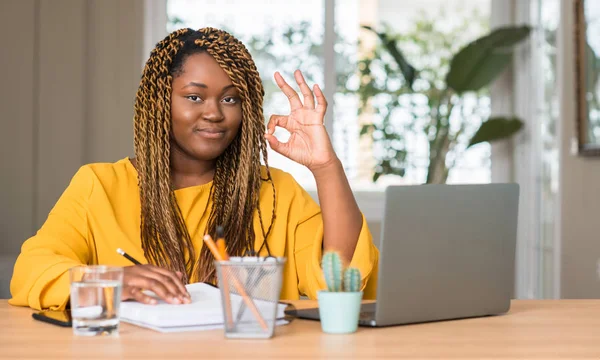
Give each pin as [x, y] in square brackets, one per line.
[352, 280]
[332, 269]
[334, 274]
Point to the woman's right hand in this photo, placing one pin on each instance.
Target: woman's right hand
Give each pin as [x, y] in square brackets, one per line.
[164, 283]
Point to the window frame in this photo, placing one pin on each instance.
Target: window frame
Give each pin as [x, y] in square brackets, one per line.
[511, 161]
[371, 202]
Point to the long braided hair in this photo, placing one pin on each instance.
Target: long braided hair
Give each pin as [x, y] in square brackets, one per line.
[237, 180]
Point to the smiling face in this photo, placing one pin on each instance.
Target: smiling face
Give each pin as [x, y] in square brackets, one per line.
[206, 109]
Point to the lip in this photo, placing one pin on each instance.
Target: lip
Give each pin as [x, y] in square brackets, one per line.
[210, 133]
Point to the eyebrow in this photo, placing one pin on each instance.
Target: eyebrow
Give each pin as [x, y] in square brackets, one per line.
[201, 85]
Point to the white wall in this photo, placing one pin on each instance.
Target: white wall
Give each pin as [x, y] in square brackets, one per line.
[580, 187]
[69, 72]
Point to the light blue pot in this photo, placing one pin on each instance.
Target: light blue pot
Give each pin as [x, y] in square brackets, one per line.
[339, 311]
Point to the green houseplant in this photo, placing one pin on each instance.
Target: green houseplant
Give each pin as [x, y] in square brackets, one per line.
[339, 305]
[441, 119]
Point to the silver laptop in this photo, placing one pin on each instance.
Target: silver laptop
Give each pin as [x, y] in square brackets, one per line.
[446, 252]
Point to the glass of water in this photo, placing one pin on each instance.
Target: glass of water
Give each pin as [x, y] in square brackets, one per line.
[95, 299]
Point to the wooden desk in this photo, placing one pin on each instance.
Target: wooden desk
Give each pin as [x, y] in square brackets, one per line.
[547, 329]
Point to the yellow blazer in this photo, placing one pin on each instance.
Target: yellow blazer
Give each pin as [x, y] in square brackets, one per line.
[100, 212]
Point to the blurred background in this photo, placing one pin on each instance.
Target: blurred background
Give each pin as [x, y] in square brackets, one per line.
[70, 70]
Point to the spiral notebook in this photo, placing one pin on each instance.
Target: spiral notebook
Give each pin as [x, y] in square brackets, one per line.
[203, 313]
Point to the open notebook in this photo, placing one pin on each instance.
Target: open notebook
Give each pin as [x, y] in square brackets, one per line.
[203, 313]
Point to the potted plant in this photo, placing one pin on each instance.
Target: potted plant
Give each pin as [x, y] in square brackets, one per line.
[391, 84]
[339, 304]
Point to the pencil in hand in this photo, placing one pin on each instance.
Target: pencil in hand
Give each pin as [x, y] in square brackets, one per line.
[128, 257]
[135, 262]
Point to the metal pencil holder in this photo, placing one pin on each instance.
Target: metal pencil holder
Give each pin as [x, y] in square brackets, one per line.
[250, 289]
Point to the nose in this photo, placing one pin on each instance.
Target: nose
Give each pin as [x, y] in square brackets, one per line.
[212, 111]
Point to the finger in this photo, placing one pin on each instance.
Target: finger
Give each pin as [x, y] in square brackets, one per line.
[188, 296]
[291, 94]
[321, 101]
[131, 292]
[175, 280]
[170, 281]
[309, 99]
[148, 283]
[139, 296]
[274, 121]
[278, 146]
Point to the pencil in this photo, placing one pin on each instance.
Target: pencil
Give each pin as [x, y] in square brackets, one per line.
[221, 243]
[128, 257]
[133, 260]
[224, 282]
[215, 251]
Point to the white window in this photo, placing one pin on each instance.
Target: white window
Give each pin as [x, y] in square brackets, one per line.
[284, 35]
[334, 62]
[545, 49]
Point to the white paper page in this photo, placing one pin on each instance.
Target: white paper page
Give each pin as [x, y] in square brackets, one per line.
[191, 328]
[204, 310]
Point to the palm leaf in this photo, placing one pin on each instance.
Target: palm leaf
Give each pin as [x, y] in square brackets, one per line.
[481, 61]
[408, 71]
[496, 128]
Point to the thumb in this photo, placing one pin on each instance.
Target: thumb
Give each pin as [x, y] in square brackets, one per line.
[277, 146]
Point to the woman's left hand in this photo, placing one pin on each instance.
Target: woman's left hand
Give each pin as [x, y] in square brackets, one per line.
[309, 143]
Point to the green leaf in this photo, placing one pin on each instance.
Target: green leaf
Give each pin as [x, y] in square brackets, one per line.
[496, 128]
[400, 156]
[481, 61]
[176, 21]
[408, 71]
[376, 176]
[366, 128]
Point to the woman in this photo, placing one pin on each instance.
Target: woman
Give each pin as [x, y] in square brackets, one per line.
[199, 137]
